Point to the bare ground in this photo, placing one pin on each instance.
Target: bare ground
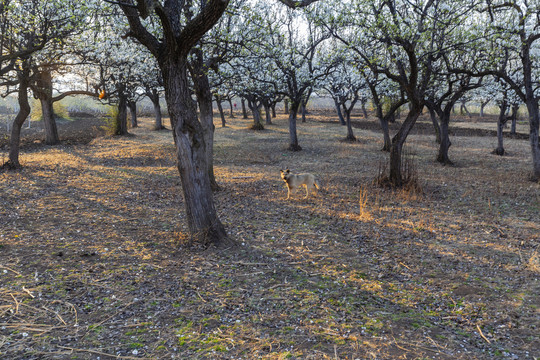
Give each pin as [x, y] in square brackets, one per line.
[92, 265]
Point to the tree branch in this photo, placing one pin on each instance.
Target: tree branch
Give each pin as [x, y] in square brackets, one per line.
[204, 21]
[297, 4]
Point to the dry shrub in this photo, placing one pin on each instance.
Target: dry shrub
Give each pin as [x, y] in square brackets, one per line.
[411, 189]
[363, 204]
[534, 263]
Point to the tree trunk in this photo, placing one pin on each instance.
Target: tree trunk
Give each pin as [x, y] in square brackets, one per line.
[133, 113]
[43, 91]
[364, 110]
[534, 121]
[203, 222]
[532, 107]
[383, 120]
[464, 109]
[350, 135]
[482, 106]
[386, 134]
[49, 123]
[303, 107]
[274, 110]
[500, 142]
[513, 124]
[445, 143]
[396, 149]
[221, 112]
[244, 111]
[255, 108]
[231, 107]
[24, 111]
[293, 111]
[339, 112]
[513, 118]
[286, 106]
[204, 99]
[268, 114]
[436, 126]
[158, 122]
[121, 116]
[501, 121]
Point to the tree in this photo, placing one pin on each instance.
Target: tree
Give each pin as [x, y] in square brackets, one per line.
[176, 35]
[409, 37]
[516, 24]
[152, 86]
[293, 57]
[346, 86]
[446, 89]
[508, 103]
[36, 28]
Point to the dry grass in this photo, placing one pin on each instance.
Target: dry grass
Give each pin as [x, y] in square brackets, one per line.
[91, 261]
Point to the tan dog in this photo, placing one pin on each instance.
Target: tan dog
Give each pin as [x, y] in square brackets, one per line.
[295, 181]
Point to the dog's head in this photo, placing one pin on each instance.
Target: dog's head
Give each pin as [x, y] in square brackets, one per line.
[285, 174]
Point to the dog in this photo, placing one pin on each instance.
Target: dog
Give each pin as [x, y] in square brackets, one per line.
[294, 181]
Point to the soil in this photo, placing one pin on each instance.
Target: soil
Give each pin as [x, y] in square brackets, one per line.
[93, 263]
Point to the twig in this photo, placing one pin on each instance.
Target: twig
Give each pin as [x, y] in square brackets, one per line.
[75, 311]
[277, 286]
[116, 313]
[405, 265]
[28, 292]
[16, 304]
[250, 264]
[101, 353]
[251, 274]
[5, 267]
[200, 296]
[107, 319]
[482, 335]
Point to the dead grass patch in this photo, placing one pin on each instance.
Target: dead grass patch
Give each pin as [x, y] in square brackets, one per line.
[91, 264]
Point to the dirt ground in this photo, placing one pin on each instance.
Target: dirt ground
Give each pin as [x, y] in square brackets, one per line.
[92, 265]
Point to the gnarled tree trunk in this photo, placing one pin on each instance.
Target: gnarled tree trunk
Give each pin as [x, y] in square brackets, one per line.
[501, 121]
[255, 107]
[364, 110]
[221, 112]
[121, 116]
[293, 112]
[132, 105]
[244, 110]
[435, 122]
[534, 121]
[339, 112]
[231, 107]
[203, 222]
[268, 113]
[22, 115]
[350, 135]
[445, 143]
[43, 91]
[396, 149]
[199, 75]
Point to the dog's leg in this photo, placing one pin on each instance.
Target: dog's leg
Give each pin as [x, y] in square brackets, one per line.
[288, 192]
[307, 192]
